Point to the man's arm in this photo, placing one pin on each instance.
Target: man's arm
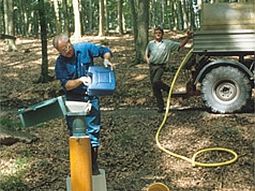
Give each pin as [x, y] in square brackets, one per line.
[107, 59]
[104, 52]
[62, 75]
[186, 39]
[71, 84]
[146, 57]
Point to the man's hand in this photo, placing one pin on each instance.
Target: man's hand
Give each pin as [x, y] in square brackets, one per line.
[107, 63]
[86, 80]
[189, 34]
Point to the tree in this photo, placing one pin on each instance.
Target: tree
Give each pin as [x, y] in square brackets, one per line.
[66, 16]
[120, 16]
[162, 13]
[43, 26]
[90, 18]
[106, 17]
[2, 28]
[57, 19]
[9, 28]
[77, 21]
[101, 31]
[134, 19]
[141, 26]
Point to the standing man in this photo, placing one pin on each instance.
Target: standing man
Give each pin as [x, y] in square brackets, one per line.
[71, 69]
[157, 55]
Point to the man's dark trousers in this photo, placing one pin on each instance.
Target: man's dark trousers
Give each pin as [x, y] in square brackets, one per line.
[156, 73]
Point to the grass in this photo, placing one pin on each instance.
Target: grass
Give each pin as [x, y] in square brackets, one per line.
[9, 123]
[12, 174]
[13, 183]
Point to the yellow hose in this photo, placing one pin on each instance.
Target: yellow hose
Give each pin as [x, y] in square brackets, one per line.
[193, 159]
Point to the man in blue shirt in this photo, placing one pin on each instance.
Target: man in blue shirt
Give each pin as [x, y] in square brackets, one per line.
[71, 69]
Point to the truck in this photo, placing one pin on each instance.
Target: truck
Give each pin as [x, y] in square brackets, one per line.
[223, 56]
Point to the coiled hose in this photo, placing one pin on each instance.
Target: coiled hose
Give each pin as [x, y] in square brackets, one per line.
[193, 159]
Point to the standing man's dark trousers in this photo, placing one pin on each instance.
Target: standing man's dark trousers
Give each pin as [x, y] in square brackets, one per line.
[156, 72]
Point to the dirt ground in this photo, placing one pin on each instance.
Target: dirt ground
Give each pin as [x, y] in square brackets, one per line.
[128, 151]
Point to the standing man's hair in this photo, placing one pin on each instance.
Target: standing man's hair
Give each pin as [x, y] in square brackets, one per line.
[58, 38]
[159, 28]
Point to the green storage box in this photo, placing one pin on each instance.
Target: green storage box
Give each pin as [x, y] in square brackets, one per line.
[42, 111]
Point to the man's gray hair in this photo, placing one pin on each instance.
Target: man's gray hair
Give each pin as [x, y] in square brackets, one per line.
[60, 37]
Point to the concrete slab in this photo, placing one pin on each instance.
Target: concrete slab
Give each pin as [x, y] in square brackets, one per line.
[99, 182]
[68, 183]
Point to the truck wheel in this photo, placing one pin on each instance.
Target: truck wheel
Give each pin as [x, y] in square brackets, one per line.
[225, 89]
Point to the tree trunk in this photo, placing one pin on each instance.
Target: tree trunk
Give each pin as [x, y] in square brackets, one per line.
[185, 17]
[2, 25]
[142, 26]
[101, 31]
[21, 18]
[179, 16]
[9, 28]
[36, 24]
[106, 17]
[57, 19]
[66, 19]
[120, 17]
[83, 16]
[77, 21]
[153, 13]
[134, 20]
[90, 20]
[30, 26]
[162, 15]
[43, 26]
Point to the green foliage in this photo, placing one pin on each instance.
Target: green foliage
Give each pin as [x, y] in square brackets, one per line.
[13, 183]
[12, 175]
[9, 123]
[21, 162]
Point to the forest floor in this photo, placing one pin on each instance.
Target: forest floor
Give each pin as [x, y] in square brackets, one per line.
[39, 159]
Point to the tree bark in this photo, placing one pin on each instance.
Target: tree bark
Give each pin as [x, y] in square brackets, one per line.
[43, 27]
[134, 20]
[2, 24]
[120, 17]
[90, 20]
[142, 26]
[9, 28]
[66, 19]
[162, 15]
[77, 21]
[101, 31]
[57, 19]
[106, 17]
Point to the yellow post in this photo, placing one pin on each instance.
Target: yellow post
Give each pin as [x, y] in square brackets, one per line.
[80, 163]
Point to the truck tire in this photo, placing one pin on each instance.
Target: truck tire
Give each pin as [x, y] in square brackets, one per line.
[225, 89]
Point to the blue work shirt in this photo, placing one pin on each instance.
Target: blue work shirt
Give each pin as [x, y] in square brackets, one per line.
[77, 66]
